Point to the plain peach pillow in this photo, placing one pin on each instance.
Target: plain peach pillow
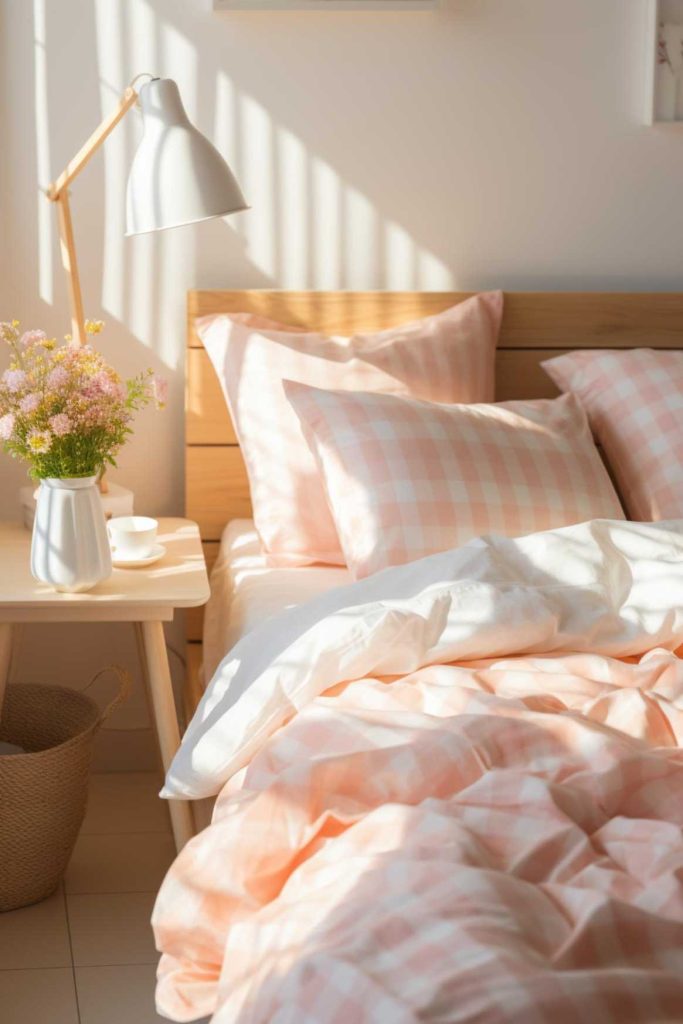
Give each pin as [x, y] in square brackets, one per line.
[406, 478]
[449, 357]
[634, 402]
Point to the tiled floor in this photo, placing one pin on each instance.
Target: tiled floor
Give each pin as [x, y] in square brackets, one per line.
[86, 955]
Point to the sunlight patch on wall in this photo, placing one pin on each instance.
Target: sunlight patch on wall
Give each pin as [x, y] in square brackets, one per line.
[224, 120]
[140, 253]
[400, 257]
[410, 267]
[226, 137]
[45, 211]
[325, 236]
[141, 49]
[175, 249]
[307, 227]
[292, 201]
[432, 273]
[111, 68]
[179, 61]
[361, 224]
[258, 156]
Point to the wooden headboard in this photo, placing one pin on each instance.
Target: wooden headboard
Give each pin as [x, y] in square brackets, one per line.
[536, 325]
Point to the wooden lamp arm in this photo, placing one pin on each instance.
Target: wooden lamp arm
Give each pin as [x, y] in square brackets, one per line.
[58, 193]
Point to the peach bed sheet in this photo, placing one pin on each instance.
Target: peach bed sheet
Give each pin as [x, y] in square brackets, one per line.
[495, 839]
[246, 590]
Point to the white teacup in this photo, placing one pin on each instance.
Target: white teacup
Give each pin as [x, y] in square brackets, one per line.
[132, 537]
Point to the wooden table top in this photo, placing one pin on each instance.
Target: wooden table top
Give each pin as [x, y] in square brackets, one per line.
[178, 580]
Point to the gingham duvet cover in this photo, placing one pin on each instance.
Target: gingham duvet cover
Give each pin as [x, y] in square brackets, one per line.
[468, 809]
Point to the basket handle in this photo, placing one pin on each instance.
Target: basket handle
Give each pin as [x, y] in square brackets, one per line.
[125, 686]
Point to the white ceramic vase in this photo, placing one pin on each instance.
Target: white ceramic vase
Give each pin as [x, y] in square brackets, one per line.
[70, 548]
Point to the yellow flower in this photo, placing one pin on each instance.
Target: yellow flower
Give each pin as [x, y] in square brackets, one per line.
[39, 441]
[94, 326]
[89, 361]
[49, 343]
[15, 323]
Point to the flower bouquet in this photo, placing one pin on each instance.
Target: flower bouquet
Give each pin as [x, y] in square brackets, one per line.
[66, 413]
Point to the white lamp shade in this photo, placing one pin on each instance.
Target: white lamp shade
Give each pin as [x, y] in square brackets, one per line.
[178, 176]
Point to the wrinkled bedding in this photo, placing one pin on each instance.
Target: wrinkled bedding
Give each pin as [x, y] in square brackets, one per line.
[449, 793]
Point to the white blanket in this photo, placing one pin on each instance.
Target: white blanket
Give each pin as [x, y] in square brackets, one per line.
[610, 588]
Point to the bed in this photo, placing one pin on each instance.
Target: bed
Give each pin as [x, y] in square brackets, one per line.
[535, 326]
[512, 709]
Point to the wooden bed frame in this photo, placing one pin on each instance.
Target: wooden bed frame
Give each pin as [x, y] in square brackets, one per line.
[536, 325]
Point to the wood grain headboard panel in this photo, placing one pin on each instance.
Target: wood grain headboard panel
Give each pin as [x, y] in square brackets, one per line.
[536, 325]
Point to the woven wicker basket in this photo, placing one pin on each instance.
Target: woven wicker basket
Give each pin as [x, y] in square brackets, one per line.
[43, 793]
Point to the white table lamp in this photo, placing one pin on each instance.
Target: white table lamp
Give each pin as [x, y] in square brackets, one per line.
[177, 177]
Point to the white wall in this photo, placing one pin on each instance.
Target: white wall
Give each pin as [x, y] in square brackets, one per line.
[488, 143]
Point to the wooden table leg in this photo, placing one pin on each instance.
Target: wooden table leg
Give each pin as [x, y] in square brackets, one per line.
[140, 643]
[165, 720]
[5, 657]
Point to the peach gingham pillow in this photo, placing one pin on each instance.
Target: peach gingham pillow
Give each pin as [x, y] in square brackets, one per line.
[449, 357]
[407, 478]
[634, 402]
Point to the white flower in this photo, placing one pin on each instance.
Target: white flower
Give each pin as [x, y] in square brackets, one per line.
[6, 426]
[14, 380]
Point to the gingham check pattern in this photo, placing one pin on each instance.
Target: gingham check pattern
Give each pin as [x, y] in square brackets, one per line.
[634, 401]
[491, 842]
[449, 357]
[405, 478]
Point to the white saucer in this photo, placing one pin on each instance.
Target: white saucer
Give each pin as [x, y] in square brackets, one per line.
[158, 551]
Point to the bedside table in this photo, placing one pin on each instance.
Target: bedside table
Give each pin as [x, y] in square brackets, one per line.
[144, 597]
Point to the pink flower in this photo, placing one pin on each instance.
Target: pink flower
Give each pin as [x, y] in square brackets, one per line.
[6, 426]
[14, 380]
[61, 424]
[58, 378]
[159, 391]
[30, 402]
[101, 384]
[31, 337]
